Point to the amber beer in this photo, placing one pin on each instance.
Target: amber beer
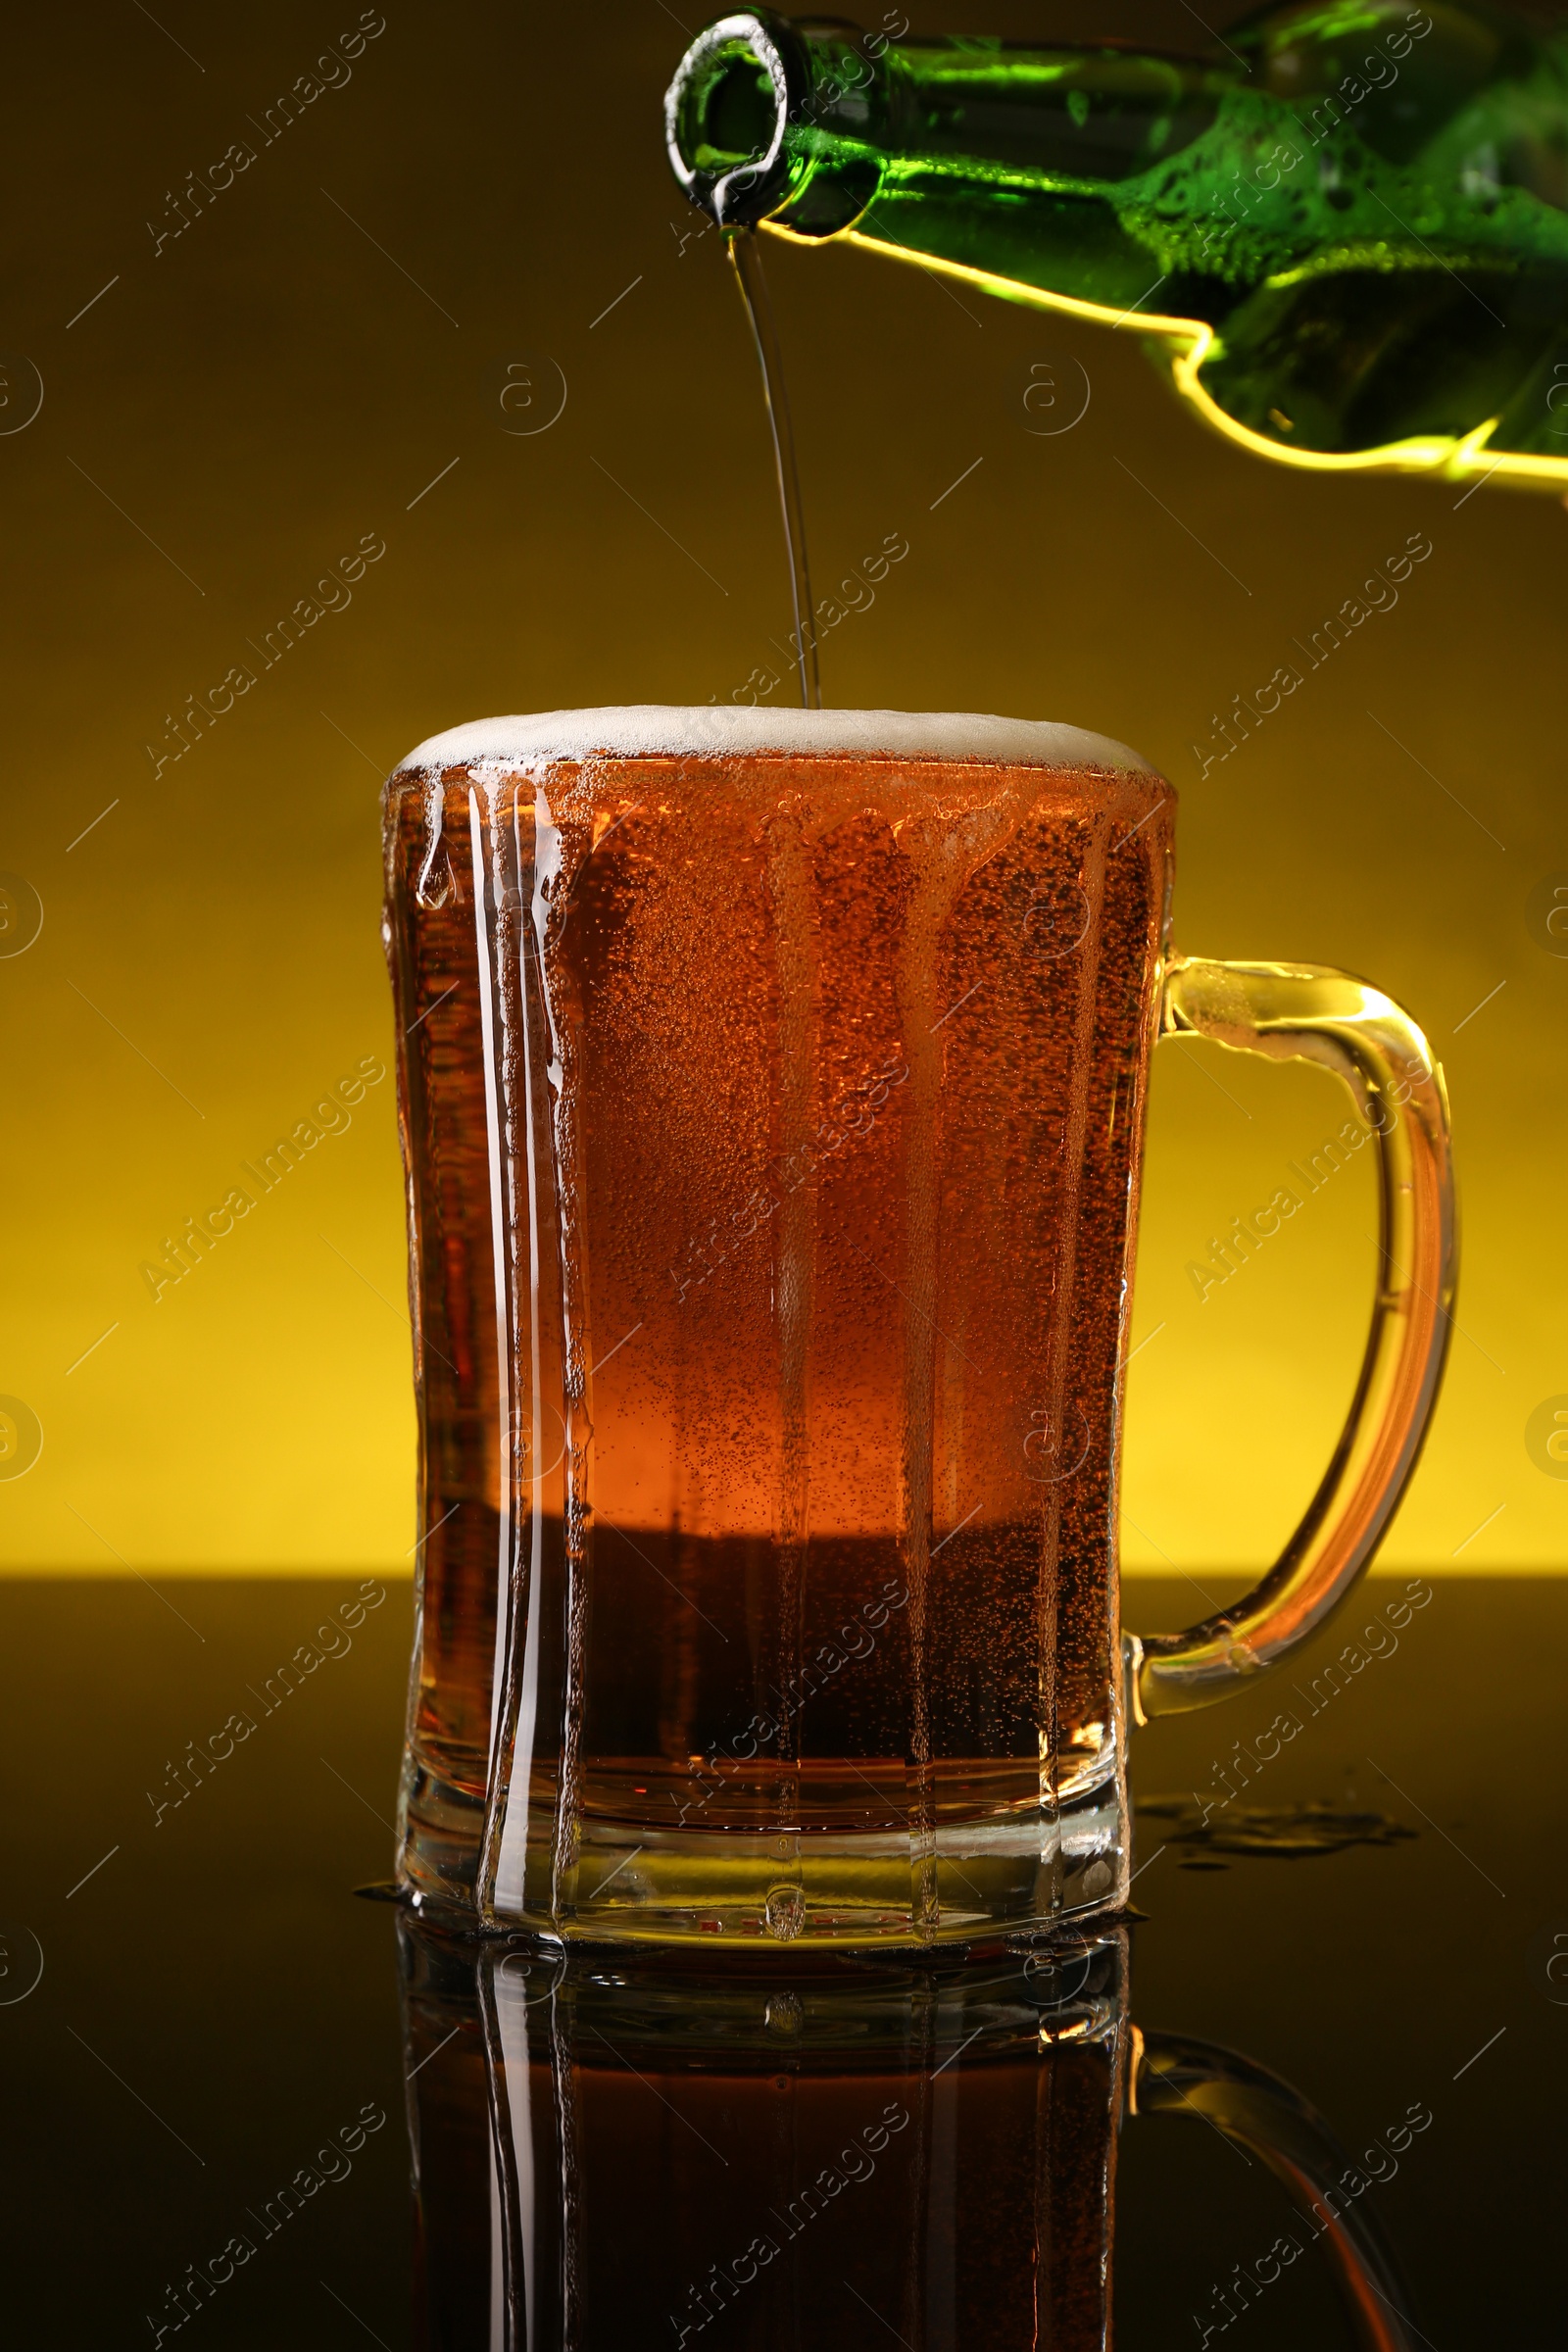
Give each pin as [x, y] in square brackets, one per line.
[685, 2151]
[773, 1097]
[695, 2158]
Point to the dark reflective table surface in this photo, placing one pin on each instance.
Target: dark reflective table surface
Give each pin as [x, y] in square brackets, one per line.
[1309, 2099]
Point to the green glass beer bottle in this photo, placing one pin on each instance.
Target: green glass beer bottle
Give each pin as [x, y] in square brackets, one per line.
[1348, 245]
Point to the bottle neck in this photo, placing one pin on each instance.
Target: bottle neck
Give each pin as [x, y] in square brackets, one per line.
[770, 121]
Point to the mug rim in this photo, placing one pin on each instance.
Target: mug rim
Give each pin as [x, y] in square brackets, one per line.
[538, 741]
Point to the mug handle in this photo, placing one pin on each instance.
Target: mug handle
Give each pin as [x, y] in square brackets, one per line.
[1172, 2074]
[1310, 1013]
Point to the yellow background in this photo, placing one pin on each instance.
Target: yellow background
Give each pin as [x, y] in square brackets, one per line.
[240, 407]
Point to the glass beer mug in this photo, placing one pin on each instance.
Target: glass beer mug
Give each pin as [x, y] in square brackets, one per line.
[690, 2156]
[772, 1091]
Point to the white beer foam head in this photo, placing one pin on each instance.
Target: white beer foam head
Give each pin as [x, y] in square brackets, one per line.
[541, 738]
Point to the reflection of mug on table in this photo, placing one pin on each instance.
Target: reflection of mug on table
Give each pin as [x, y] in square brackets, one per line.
[682, 2155]
[774, 1091]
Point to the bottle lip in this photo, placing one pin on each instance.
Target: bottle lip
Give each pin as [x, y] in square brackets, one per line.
[748, 192]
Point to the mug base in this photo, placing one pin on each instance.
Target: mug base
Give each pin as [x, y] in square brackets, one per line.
[1023, 1872]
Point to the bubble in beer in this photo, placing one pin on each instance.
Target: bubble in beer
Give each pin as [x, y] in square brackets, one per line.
[1056, 922]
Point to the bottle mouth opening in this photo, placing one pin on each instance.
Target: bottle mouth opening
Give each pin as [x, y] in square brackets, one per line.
[725, 116]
